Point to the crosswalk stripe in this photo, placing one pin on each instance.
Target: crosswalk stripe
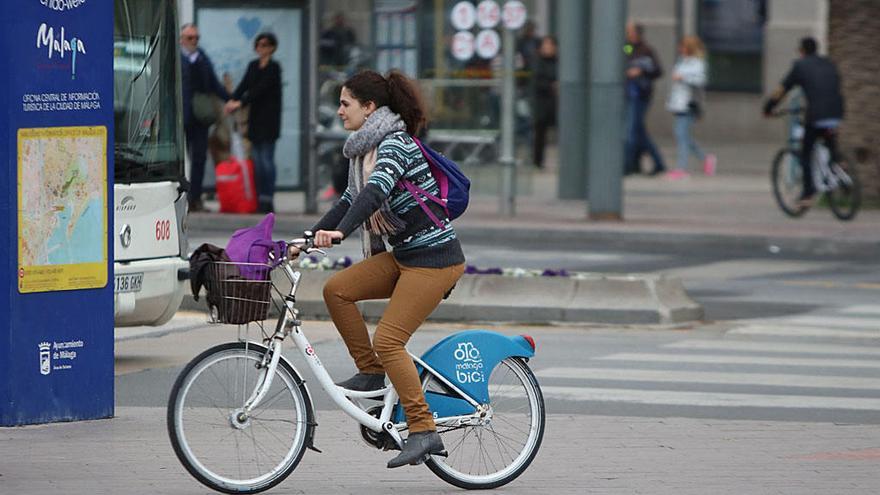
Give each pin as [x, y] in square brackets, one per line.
[773, 347]
[802, 331]
[670, 376]
[842, 322]
[710, 399]
[727, 359]
[862, 309]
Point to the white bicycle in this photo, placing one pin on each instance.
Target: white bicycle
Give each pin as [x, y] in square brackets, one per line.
[240, 416]
[835, 178]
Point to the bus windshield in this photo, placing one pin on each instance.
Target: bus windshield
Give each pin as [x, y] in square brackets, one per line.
[146, 100]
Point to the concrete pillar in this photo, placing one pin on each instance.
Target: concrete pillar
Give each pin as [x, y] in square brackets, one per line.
[572, 114]
[605, 149]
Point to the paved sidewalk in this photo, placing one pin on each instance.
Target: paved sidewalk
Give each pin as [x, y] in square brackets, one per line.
[131, 455]
[734, 207]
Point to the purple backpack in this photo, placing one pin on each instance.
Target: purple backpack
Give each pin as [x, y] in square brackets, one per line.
[253, 245]
[454, 185]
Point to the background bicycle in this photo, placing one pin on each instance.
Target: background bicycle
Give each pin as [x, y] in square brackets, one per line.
[837, 184]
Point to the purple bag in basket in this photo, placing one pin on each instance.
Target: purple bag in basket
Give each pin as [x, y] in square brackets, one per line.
[253, 245]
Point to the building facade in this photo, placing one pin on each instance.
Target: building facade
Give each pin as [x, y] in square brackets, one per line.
[751, 45]
[854, 39]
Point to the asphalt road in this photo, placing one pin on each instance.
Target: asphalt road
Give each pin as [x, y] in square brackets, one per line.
[786, 337]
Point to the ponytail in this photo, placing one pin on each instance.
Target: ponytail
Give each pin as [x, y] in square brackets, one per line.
[398, 92]
[406, 101]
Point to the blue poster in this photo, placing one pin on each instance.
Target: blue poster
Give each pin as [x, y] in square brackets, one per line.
[57, 58]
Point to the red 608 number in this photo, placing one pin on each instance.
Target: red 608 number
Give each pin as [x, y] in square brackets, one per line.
[163, 230]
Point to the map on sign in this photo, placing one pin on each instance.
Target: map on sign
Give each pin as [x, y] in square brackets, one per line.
[62, 208]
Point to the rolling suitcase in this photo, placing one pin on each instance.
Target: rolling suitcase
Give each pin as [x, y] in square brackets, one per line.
[236, 189]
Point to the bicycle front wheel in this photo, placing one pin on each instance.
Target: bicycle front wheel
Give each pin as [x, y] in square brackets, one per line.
[498, 449]
[220, 444]
[788, 183]
[846, 198]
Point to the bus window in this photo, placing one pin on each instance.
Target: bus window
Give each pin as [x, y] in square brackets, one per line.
[148, 134]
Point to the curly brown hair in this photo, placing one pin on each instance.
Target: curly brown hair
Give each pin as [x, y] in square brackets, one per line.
[396, 91]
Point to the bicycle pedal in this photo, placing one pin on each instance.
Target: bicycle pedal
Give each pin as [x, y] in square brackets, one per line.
[442, 453]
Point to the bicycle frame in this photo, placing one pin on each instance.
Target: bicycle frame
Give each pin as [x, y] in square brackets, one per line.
[289, 324]
[827, 175]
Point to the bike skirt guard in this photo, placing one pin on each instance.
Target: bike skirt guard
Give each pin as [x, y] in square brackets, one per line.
[467, 359]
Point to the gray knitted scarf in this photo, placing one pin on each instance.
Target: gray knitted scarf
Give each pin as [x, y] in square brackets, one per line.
[360, 149]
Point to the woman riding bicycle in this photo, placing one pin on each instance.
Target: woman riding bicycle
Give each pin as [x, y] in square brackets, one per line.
[425, 262]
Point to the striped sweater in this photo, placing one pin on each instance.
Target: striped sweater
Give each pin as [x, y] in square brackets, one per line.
[421, 243]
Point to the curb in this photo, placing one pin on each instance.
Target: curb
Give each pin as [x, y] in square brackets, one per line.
[588, 298]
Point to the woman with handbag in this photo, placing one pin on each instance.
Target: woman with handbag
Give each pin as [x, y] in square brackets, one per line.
[688, 80]
[426, 258]
[260, 89]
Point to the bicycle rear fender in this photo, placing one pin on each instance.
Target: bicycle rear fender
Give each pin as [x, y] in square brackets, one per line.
[467, 359]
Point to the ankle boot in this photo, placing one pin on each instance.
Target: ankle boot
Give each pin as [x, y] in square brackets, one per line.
[417, 448]
[364, 382]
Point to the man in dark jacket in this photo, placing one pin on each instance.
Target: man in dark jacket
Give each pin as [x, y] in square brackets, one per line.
[197, 76]
[819, 80]
[642, 68]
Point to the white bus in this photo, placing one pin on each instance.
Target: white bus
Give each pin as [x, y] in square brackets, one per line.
[150, 265]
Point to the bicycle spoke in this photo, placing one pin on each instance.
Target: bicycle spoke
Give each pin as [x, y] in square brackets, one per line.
[266, 403]
[509, 423]
[510, 453]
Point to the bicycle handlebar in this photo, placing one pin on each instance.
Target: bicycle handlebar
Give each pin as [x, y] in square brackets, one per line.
[306, 244]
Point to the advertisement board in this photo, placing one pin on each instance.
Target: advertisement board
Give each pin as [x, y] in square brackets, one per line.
[56, 363]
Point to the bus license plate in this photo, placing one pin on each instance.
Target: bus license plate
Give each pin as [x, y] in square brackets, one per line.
[130, 282]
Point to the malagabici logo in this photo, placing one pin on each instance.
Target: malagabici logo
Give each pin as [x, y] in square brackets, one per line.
[469, 368]
[60, 45]
[62, 5]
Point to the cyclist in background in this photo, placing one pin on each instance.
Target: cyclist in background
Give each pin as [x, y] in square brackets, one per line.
[819, 80]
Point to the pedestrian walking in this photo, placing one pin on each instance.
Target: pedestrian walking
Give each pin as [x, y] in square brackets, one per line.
[336, 42]
[425, 262]
[337, 56]
[527, 45]
[546, 95]
[260, 91]
[642, 69]
[686, 103]
[200, 87]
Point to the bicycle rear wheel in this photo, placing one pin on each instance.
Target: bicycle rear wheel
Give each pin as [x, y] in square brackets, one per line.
[498, 450]
[217, 443]
[787, 179]
[845, 199]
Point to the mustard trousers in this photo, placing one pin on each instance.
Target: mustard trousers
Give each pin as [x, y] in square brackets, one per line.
[414, 293]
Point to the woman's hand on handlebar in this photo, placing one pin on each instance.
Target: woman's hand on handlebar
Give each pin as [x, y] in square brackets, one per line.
[326, 238]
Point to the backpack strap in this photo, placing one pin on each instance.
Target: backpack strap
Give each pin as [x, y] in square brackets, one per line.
[415, 191]
[442, 180]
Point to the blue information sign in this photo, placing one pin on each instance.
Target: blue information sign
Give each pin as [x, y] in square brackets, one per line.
[56, 131]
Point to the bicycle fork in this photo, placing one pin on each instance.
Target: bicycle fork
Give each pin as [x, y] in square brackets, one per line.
[264, 381]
